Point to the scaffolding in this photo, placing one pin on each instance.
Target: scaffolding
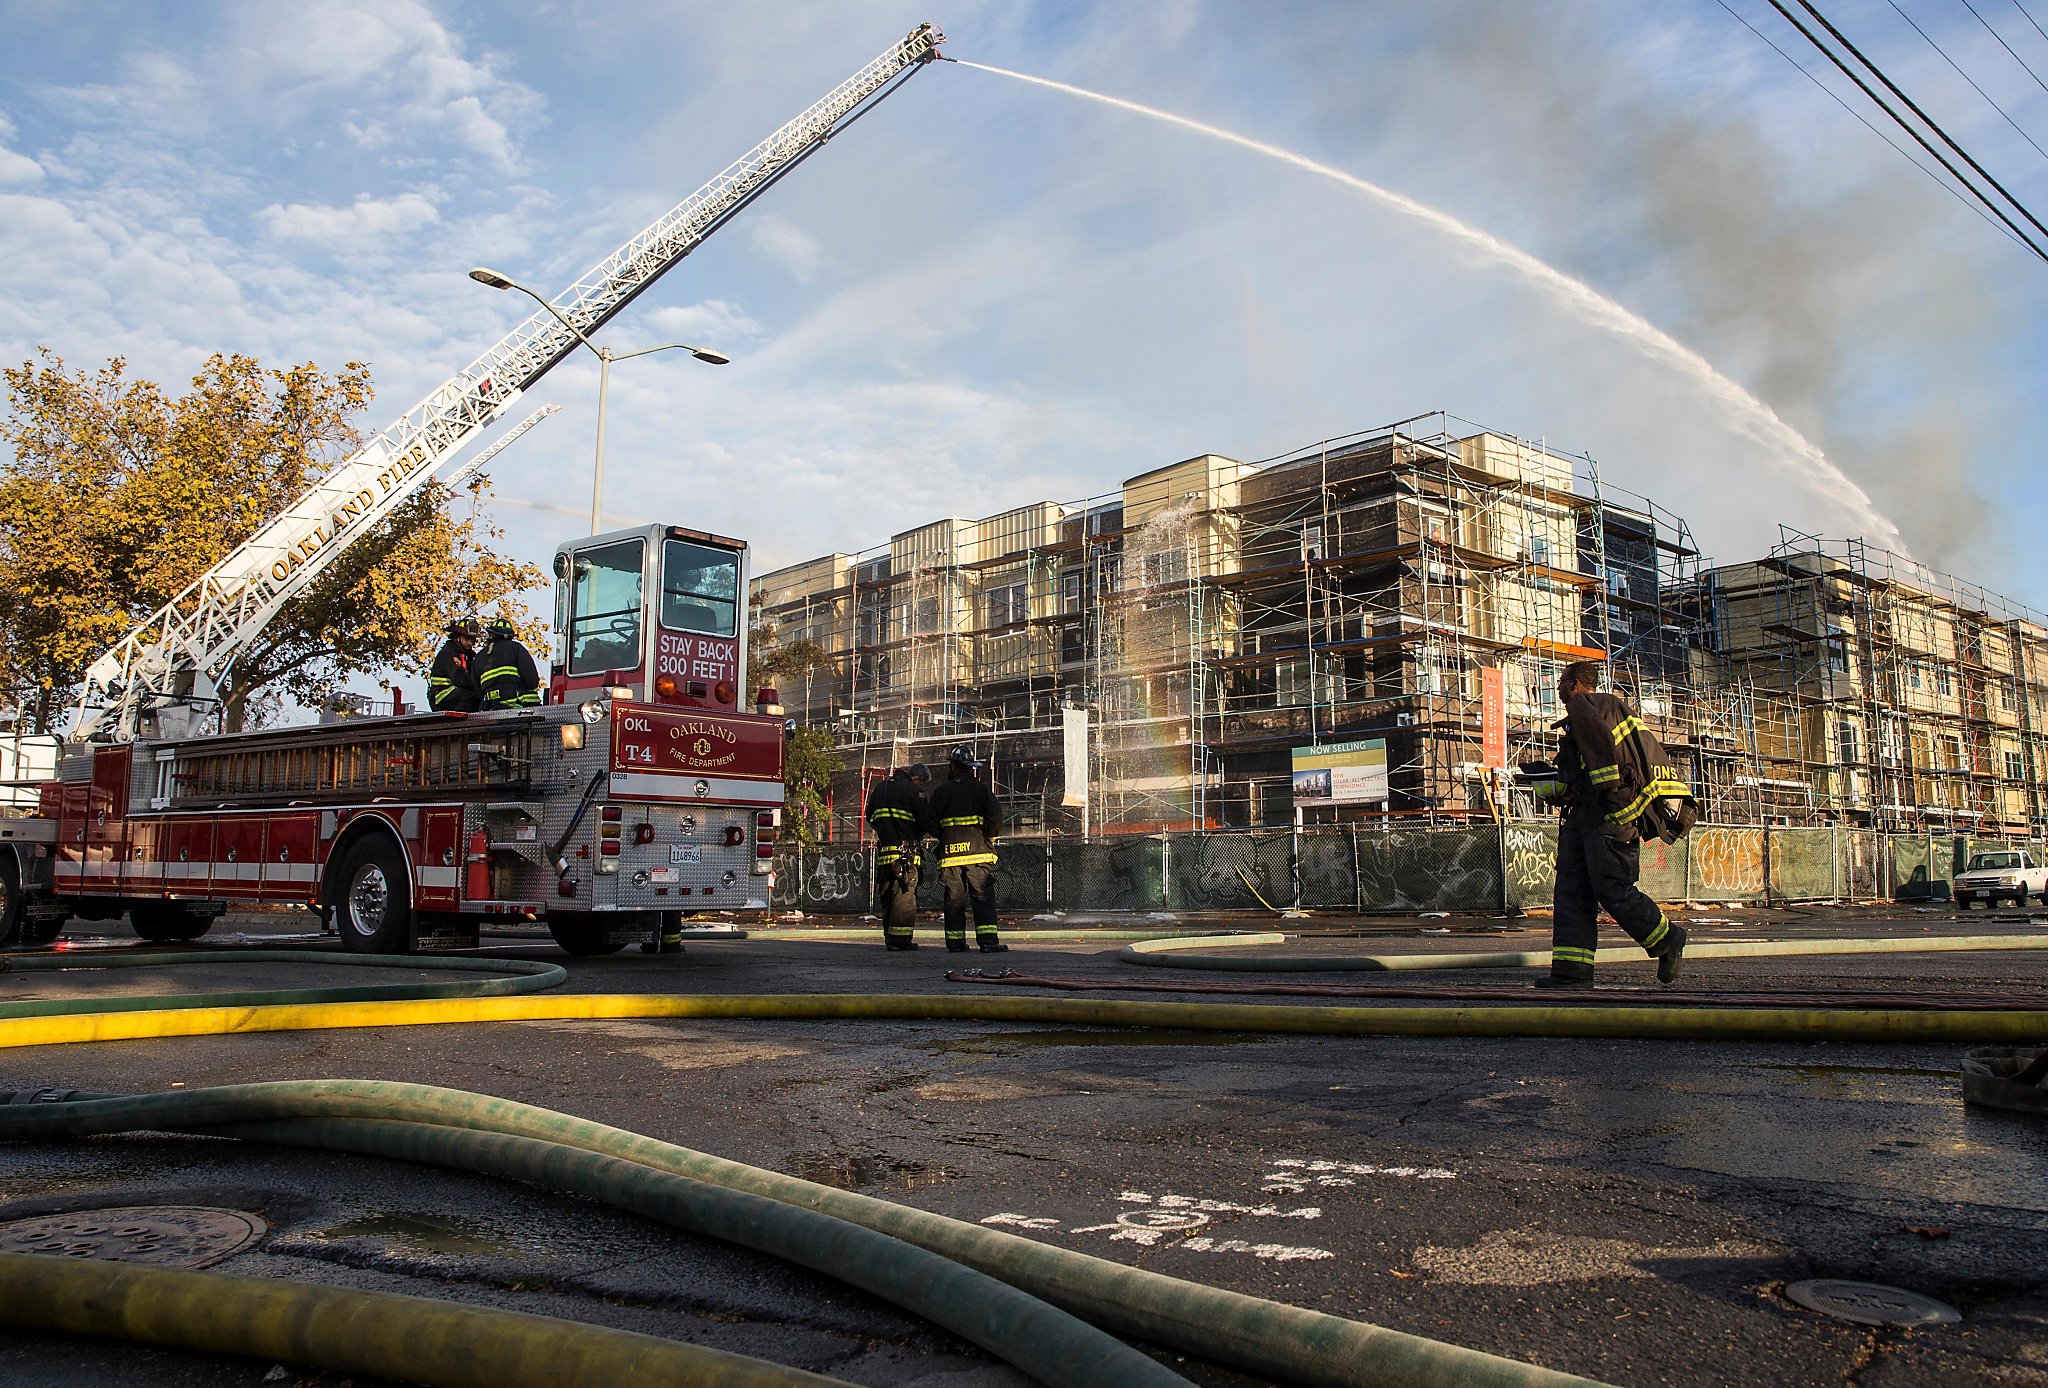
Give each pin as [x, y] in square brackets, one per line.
[1216, 617]
[1918, 695]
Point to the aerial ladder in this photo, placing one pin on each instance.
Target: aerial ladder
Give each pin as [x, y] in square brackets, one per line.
[163, 679]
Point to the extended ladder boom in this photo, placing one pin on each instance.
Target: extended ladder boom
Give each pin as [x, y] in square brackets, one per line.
[170, 667]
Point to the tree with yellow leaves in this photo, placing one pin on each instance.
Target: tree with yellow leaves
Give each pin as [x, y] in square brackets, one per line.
[118, 496]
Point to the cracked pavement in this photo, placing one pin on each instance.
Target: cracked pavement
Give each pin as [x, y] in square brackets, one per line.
[1627, 1210]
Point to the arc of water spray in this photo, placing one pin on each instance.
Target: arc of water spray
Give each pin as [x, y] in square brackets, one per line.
[1749, 416]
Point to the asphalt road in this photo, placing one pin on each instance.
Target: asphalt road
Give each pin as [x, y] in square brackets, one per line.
[1626, 1210]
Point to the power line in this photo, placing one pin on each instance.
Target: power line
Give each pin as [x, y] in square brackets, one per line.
[2006, 46]
[1906, 125]
[2030, 19]
[1967, 78]
[1864, 121]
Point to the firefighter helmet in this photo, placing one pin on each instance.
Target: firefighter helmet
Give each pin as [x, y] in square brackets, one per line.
[500, 629]
[962, 757]
[464, 626]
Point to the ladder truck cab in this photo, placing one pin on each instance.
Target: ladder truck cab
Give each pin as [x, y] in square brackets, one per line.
[640, 790]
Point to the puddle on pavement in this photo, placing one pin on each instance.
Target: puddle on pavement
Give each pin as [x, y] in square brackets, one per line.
[447, 1235]
[851, 1171]
[1011, 1042]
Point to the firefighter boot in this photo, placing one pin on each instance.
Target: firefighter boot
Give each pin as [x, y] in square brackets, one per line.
[990, 944]
[1555, 980]
[1671, 954]
[671, 940]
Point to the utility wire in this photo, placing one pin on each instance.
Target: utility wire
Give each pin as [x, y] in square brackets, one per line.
[1967, 78]
[1925, 119]
[1864, 121]
[2006, 46]
[1905, 125]
[2030, 19]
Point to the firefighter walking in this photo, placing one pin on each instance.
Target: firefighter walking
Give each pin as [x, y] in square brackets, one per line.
[452, 683]
[510, 679]
[967, 817]
[898, 814]
[1614, 780]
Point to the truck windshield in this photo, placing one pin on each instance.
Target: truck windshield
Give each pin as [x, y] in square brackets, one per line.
[700, 589]
[604, 620]
[1985, 862]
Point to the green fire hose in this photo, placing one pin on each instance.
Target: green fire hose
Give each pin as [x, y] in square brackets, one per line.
[1283, 1343]
[408, 1338]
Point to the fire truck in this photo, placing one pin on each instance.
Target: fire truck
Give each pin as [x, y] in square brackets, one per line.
[640, 788]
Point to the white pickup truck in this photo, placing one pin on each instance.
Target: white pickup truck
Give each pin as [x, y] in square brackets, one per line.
[2001, 874]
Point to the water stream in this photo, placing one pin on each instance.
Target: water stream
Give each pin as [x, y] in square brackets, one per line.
[1745, 414]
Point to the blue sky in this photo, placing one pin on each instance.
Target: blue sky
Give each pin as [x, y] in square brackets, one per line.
[987, 293]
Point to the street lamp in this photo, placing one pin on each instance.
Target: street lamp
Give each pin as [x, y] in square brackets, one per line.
[605, 357]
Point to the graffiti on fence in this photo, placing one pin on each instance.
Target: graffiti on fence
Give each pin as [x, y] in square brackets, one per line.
[1727, 861]
[1429, 870]
[836, 877]
[1529, 858]
[1325, 870]
[1211, 871]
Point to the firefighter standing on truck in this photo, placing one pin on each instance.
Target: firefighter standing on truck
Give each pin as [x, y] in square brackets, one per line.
[967, 817]
[1615, 781]
[452, 684]
[510, 678]
[900, 818]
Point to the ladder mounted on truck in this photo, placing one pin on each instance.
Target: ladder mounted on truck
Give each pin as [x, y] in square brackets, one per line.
[164, 677]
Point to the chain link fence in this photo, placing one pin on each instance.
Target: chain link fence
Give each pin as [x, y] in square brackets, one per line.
[1486, 869]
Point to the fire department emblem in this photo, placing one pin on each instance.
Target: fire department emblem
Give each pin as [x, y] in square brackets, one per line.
[702, 747]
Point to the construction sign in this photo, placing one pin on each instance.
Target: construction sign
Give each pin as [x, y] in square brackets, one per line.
[1341, 773]
[1493, 716]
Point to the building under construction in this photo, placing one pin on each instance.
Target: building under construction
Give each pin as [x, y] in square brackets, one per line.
[1388, 612]
[1921, 700]
[1215, 620]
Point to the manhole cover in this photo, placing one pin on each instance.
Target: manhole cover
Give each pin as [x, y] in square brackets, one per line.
[179, 1236]
[1871, 1303]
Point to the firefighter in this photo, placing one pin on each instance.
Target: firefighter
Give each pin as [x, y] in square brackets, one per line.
[967, 817]
[509, 677]
[1613, 780]
[452, 685]
[901, 818]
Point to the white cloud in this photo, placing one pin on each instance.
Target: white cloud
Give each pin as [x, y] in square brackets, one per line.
[365, 217]
[402, 74]
[713, 323]
[18, 168]
[783, 245]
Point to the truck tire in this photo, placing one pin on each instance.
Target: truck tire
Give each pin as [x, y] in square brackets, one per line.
[373, 898]
[167, 921]
[12, 907]
[583, 935]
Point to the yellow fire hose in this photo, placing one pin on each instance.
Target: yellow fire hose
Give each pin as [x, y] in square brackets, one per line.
[1179, 953]
[408, 1338]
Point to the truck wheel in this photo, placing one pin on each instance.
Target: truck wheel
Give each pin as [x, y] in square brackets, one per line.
[11, 905]
[582, 936]
[375, 899]
[165, 922]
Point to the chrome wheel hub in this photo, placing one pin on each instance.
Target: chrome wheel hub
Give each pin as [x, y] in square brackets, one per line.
[369, 900]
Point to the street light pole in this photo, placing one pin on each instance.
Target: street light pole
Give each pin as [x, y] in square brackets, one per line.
[605, 357]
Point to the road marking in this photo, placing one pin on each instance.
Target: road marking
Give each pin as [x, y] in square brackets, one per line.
[1023, 1221]
[1277, 1252]
[1294, 1175]
[1188, 1202]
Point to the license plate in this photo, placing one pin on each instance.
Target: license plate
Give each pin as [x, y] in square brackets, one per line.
[684, 853]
